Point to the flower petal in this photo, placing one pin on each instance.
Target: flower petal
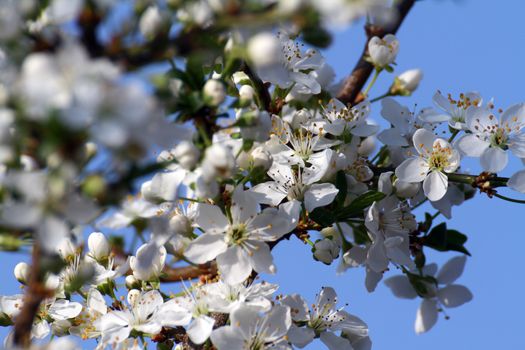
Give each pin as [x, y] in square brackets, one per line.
[426, 316]
[320, 161]
[494, 159]
[319, 195]
[300, 337]
[205, 248]
[517, 181]
[299, 307]
[244, 207]
[200, 329]
[412, 170]
[227, 338]
[401, 287]
[451, 270]
[334, 342]
[471, 145]
[261, 258]
[277, 322]
[424, 141]
[210, 217]
[234, 265]
[392, 137]
[63, 309]
[268, 193]
[514, 116]
[454, 295]
[435, 185]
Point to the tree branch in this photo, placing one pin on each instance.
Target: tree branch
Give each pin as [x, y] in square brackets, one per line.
[179, 274]
[353, 85]
[35, 294]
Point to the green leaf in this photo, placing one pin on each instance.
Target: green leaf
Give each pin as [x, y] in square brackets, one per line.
[420, 259]
[317, 36]
[322, 216]
[195, 71]
[443, 240]
[421, 283]
[361, 235]
[359, 204]
[342, 186]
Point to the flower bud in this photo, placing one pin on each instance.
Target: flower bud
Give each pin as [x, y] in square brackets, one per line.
[406, 82]
[218, 161]
[406, 189]
[146, 192]
[214, 92]
[329, 231]
[148, 262]
[367, 146]
[181, 225]
[98, 246]
[133, 296]
[66, 249]
[52, 282]
[132, 282]
[383, 52]
[300, 118]
[175, 86]
[28, 163]
[21, 272]
[261, 158]
[264, 49]
[246, 93]
[150, 22]
[90, 150]
[326, 250]
[186, 154]
[240, 78]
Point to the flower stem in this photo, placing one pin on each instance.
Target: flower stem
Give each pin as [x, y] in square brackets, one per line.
[189, 199]
[203, 134]
[454, 134]
[372, 82]
[508, 199]
[307, 240]
[375, 99]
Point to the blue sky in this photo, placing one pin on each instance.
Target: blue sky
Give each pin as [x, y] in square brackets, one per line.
[461, 46]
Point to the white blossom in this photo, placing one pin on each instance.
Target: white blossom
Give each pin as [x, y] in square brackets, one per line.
[251, 330]
[490, 137]
[240, 245]
[436, 157]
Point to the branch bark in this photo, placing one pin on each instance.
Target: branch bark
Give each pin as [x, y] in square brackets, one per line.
[179, 274]
[353, 85]
[34, 296]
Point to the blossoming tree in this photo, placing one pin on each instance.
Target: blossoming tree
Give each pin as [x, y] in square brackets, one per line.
[203, 133]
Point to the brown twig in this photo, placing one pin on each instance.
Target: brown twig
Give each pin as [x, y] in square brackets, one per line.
[35, 294]
[179, 274]
[260, 88]
[353, 85]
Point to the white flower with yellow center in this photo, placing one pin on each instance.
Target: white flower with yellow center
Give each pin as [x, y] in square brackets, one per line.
[295, 186]
[238, 242]
[338, 119]
[322, 320]
[251, 330]
[436, 157]
[491, 137]
[87, 324]
[455, 110]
